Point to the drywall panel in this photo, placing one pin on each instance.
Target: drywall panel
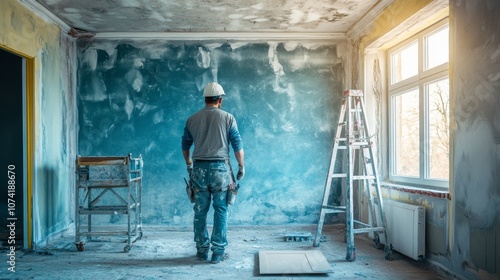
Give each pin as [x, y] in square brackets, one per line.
[293, 262]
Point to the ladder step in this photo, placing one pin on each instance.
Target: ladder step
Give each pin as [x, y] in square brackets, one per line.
[365, 230]
[357, 177]
[334, 207]
[363, 177]
[360, 144]
[328, 209]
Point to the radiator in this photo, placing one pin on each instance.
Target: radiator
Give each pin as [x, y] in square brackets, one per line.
[406, 228]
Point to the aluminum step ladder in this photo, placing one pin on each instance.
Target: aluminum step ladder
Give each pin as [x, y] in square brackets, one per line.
[352, 149]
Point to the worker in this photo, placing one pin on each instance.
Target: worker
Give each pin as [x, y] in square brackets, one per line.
[212, 130]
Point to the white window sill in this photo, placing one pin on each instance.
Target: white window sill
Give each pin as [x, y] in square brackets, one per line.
[444, 194]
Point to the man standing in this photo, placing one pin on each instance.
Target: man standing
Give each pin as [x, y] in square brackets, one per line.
[211, 130]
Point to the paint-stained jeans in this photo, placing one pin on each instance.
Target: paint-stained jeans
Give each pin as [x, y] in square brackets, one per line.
[210, 182]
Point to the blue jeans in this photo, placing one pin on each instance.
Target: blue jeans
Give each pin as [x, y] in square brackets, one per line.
[210, 181]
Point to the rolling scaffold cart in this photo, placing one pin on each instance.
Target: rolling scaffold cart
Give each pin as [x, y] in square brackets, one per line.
[109, 185]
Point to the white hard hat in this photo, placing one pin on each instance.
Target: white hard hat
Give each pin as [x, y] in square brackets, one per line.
[213, 90]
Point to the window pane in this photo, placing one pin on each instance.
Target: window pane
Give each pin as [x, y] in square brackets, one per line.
[407, 140]
[439, 97]
[404, 63]
[437, 50]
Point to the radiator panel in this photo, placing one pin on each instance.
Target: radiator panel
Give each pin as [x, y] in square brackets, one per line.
[406, 227]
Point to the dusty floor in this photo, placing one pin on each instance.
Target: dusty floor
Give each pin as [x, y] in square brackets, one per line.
[169, 253]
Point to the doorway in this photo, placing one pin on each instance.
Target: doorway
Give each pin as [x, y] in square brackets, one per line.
[15, 127]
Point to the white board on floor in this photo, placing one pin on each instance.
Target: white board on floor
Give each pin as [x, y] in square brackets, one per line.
[293, 262]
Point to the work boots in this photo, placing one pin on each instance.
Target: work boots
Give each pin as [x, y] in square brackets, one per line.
[202, 255]
[217, 258]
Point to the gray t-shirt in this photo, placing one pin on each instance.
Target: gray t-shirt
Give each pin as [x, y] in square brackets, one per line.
[211, 130]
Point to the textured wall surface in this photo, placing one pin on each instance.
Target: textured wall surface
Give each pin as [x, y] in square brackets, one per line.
[476, 87]
[54, 116]
[134, 97]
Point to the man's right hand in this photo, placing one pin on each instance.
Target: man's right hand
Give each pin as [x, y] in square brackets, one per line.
[189, 167]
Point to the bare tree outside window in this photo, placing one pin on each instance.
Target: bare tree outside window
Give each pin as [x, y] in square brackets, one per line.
[439, 131]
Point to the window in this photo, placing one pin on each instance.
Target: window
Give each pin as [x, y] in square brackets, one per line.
[419, 108]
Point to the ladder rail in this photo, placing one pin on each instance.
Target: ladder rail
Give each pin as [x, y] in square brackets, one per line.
[349, 232]
[375, 173]
[367, 158]
[328, 183]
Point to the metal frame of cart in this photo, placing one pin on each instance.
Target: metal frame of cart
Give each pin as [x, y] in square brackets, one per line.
[109, 185]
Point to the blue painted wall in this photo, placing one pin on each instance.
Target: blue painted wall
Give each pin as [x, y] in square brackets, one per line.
[135, 96]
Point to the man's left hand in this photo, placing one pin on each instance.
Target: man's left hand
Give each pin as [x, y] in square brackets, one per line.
[241, 172]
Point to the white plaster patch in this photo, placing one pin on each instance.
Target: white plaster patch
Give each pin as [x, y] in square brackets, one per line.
[261, 19]
[137, 84]
[258, 6]
[203, 58]
[290, 46]
[219, 9]
[273, 60]
[53, 2]
[296, 16]
[250, 17]
[235, 16]
[90, 58]
[74, 16]
[130, 3]
[129, 107]
[71, 10]
[138, 63]
[312, 16]
[236, 45]
[134, 78]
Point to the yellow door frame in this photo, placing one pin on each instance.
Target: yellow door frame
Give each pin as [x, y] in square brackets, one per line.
[30, 143]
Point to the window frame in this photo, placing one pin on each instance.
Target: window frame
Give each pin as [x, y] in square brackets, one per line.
[420, 81]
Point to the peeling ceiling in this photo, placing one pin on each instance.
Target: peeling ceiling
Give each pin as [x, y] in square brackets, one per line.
[270, 16]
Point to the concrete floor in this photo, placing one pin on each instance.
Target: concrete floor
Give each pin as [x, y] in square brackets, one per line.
[169, 253]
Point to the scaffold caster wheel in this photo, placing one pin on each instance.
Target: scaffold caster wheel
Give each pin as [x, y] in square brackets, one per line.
[126, 249]
[80, 247]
